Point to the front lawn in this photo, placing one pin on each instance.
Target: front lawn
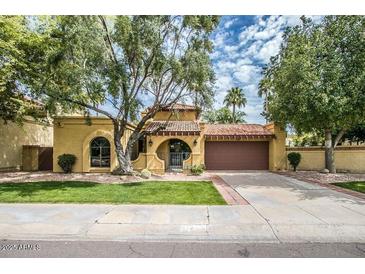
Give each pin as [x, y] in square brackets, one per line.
[358, 186]
[153, 192]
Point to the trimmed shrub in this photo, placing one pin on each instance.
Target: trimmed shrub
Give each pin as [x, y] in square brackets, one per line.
[145, 173]
[66, 161]
[294, 159]
[197, 169]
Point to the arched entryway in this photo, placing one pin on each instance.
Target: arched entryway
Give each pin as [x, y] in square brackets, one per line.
[174, 152]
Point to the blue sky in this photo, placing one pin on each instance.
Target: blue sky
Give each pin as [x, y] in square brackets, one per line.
[242, 46]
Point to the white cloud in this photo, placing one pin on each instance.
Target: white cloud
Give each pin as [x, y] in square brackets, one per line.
[231, 49]
[224, 82]
[270, 48]
[229, 23]
[247, 34]
[246, 74]
[219, 39]
[253, 114]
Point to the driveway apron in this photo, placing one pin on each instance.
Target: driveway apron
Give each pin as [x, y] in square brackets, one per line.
[300, 211]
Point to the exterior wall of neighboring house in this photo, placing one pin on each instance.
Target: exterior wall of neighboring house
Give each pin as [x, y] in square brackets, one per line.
[72, 135]
[13, 137]
[349, 158]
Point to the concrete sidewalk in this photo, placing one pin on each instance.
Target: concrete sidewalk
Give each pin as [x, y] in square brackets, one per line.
[242, 223]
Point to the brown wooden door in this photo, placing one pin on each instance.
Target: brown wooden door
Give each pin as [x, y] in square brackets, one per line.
[236, 155]
[45, 158]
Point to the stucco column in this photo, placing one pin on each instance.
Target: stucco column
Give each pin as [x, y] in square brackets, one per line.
[277, 151]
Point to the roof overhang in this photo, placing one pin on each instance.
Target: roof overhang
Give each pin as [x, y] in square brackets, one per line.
[239, 137]
[173, 128]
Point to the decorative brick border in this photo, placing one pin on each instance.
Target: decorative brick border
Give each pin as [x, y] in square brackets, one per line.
[327, 185]
[318, 148]
[228, 193]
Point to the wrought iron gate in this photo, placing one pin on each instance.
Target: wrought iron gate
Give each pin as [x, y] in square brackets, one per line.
[177, 159]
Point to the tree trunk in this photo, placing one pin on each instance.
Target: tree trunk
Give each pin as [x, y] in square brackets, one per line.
[124, 160]
[330, 163]
[234, 113]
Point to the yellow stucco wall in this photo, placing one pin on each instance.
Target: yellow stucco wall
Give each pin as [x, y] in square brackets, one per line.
[277, 152]
[349, 159]
[72, 135]
[13, 137]
[176, 116]
[163, 153]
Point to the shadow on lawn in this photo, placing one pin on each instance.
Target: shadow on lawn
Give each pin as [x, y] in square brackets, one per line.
[27, 189]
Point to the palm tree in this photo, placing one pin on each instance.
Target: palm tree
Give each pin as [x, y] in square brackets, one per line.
[235, 98]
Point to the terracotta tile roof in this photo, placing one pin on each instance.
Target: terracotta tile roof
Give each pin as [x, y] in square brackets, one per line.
[174, 126]
[236, 130]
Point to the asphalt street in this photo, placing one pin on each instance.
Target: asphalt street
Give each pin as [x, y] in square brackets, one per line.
[115, 249]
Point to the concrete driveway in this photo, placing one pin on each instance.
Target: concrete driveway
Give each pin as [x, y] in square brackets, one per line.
[297, 210]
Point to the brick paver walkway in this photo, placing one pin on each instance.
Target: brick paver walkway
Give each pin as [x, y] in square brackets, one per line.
[227, 192]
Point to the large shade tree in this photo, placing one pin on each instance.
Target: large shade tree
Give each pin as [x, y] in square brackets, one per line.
[236, 98]
[116, 66]
[317, 81]
[19, 54]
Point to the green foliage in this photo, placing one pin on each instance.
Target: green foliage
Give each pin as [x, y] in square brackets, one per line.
[223, 116]
[355, 134]
[197, 169]
[112, 65]
[309, 139]
[294, 159]
[123, 61]
[235, 98]
[66, 161]
[20, 52]
[317, 80]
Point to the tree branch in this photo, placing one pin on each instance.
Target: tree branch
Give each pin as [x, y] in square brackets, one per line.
[103, 22]
[338, 137]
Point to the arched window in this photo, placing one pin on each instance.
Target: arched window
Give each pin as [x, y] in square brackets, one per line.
[100, 152]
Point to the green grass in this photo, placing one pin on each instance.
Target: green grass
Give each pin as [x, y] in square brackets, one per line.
[153, 192]
[356, 186]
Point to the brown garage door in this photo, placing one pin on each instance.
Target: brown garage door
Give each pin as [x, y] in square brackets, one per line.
[237, 155]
